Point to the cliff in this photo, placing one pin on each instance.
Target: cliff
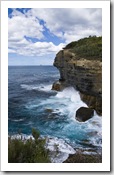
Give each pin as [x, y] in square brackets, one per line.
[80, 66]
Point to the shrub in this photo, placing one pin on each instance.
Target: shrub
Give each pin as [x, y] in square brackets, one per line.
[90, 48]
[28, 151]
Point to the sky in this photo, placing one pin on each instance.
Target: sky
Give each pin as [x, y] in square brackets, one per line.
[36, 35]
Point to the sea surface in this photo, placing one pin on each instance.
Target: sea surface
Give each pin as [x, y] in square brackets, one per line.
[32, 104]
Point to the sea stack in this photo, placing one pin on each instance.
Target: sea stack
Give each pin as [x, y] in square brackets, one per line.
[80, 66]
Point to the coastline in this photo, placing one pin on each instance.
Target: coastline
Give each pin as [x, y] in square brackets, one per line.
[62, 152]
[80, 157]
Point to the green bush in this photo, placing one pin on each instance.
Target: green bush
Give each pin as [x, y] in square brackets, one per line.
[28, 151]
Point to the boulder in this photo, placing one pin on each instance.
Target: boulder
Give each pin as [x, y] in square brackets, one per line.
[84, 113]
[58, 86]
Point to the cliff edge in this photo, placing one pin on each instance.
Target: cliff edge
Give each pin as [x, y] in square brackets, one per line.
[80, 66]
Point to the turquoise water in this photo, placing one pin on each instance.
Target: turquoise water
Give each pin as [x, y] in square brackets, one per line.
[32, 104]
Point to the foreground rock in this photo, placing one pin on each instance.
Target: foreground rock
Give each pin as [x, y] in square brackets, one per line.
[83, 114]
[80, 157]
[80, 66]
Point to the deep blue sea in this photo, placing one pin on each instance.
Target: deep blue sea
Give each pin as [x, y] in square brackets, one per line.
[32, 104]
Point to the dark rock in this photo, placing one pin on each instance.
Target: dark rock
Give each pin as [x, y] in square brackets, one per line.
[83, 114]
[80, 157]
[48, 110]
[56, 86]
[93, 102]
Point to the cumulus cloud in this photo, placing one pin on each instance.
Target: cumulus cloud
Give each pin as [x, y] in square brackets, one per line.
[26, 48]
[20, 25]
[39, 49]
[74, 23]
[65, 23]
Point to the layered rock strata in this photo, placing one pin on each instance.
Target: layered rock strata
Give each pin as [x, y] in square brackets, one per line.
[84, 74]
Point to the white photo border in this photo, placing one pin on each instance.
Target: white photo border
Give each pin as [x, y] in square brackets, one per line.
[105, 165]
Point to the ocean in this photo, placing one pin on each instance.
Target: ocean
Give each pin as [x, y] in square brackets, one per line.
[32, 104]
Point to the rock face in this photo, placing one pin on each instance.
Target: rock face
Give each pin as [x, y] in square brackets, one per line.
[83, 114]
[83, 70]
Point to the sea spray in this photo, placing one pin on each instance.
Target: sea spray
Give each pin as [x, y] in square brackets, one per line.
[73, 101]
[60, 121]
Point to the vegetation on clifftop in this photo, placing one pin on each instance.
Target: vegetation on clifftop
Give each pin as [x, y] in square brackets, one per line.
[28, 151]
[89, 48]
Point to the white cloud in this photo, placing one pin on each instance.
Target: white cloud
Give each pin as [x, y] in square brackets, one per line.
[11, 51]
[20, 25]
[70, 23]
[26, 48]
[67, 24]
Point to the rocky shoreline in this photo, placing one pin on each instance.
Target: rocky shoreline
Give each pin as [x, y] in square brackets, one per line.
[80, 66]
[82, 69]
[82, 156]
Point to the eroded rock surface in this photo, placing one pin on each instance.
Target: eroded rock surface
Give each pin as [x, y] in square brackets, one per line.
[83, 73]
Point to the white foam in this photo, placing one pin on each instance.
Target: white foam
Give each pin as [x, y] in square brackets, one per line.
[22, 136]
[45, 88]
[69, 93]
[59, 148]
[29, 87]
[89, 153]
[66, 103]
[71, 99]
[94, 125]
[16, 120]
[42, 87]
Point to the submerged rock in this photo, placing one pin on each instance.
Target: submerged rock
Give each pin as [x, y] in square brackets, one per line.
[83, 114]
[49, 110]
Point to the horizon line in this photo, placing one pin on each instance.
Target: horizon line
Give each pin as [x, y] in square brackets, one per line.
[33, 65]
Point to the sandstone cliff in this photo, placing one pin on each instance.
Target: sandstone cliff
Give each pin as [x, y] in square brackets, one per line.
[80, 66]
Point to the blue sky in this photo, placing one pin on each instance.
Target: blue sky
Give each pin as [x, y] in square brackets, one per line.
[36, 35]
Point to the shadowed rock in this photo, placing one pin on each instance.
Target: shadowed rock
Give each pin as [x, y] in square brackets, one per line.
[83, 114]
[58, 85]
